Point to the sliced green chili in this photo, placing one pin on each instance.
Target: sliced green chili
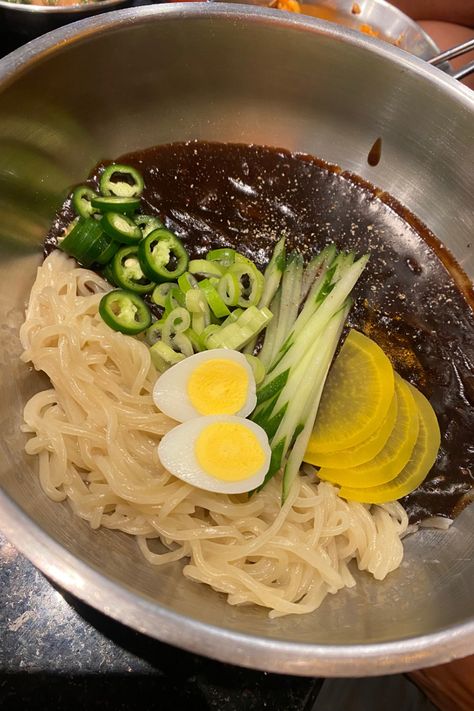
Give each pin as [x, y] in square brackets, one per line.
[124, 205]
[108, 252]
[107, 273]
[121, 228]
[147, 223]
[82, 201]
[162, 256]
[127, 272]
[86, 241]
[125, 311]
[121, 181]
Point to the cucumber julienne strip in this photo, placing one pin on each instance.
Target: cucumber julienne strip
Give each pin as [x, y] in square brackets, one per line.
[273, 382]
[289, 300]
[303, 385]
[288, 398]
[307, 421]
[272, 388]
[271, 421]
[275, 462]
[299, 375]
[320, 288]
[314, 268]
[265, 354]
[315, 324]
[273, 274]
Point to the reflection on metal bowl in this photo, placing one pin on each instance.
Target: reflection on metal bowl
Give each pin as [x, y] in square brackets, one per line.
[136, 78]
[375, 18]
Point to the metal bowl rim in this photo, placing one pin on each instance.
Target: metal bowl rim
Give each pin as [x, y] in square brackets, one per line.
[80, 29]
[140, 613]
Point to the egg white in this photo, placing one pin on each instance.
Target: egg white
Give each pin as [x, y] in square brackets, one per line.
[176, 453]
[170, 393]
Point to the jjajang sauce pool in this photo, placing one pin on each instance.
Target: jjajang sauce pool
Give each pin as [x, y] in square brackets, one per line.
[412, 298]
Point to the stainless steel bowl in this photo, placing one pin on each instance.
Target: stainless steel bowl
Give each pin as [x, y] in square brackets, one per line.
[135, 78]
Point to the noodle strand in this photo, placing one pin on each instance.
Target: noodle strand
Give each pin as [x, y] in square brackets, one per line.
[95, 433]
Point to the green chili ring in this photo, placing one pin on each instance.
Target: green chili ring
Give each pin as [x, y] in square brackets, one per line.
[127, 272]
[125, 311]
[82, 201]
[148, 223]
[121, 228]
[133, 187]
[108, 252]
[107, 273]
[124, 205]
[162, 256]
[86, 241]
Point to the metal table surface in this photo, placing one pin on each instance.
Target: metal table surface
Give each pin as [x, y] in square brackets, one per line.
[57, 652]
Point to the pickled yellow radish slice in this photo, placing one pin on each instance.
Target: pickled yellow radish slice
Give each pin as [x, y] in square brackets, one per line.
[361, 453]
[356, 397]
[422, 459]
[389, 462]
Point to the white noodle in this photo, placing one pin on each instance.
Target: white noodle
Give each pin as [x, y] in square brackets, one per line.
[95, 434]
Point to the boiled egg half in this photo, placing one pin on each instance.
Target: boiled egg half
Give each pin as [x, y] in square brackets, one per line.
[215, 382]
[221, 453]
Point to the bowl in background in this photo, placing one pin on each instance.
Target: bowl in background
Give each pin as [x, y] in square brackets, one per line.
[376, 18]
[24, 21]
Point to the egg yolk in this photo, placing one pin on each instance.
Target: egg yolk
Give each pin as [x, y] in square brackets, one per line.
[218, 387]
[229, 451]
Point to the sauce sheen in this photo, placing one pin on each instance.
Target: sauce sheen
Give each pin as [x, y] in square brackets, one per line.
[412, 298]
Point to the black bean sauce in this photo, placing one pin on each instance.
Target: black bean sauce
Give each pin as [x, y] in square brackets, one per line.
[412, 299]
